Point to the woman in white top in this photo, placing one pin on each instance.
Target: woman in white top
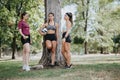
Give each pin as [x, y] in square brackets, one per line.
[66, 39]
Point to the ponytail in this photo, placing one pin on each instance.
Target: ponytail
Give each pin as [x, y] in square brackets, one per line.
[70, 17]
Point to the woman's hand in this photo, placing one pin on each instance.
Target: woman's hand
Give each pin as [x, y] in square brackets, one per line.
[39, 30]
[44, 34]
[25, 37]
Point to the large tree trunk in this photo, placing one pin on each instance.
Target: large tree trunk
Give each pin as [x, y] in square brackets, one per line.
[52, 6]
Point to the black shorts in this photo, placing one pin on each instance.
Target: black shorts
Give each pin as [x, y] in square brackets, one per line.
[68, 39]
[51, 37]
[25, 40]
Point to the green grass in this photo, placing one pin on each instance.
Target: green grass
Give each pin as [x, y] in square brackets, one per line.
[12, 70]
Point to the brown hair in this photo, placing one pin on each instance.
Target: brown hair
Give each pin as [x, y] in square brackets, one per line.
[49, 14]
[69, 14]
[23, 14]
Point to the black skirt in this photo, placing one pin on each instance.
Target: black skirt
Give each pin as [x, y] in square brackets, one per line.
[68, 39]
[27, 40]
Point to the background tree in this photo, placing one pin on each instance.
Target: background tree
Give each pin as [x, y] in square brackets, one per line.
[100, 36]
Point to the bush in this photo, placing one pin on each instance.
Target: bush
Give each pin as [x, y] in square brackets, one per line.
[78, 40]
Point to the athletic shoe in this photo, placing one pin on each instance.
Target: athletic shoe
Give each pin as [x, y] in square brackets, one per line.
[68, 67]
[27, 68]
[24, 67]
[51, 65]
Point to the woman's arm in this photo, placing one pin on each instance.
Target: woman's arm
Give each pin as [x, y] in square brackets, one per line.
[20, 30]
[40, 30]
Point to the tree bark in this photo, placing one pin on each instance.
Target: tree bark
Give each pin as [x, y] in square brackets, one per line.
[13, 47]
[101, 50]
[86, 25]
[14, 40]
[54, 7]
[18, 9]
[0, 51]
[0, 48]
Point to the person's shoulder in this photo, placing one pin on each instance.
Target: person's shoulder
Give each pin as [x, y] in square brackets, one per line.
[69, 23]
[20, 21]
[45, 24]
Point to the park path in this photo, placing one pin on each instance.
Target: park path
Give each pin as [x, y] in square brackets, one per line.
[77, 59]
[96, 58]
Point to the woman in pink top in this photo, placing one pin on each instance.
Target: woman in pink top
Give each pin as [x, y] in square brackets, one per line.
[24, 30]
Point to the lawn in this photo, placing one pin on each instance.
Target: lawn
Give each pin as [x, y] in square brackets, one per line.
[11, 70]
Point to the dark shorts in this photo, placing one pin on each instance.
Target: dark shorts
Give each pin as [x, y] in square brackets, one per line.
[68, 39]
[25, 40]
[51, 37]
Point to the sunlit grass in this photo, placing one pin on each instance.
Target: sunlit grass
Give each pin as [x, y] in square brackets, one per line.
[12, 70]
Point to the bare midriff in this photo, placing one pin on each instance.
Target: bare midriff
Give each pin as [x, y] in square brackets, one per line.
[51, 32]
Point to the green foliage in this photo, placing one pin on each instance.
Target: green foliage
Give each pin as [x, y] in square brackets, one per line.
[78, 40]
[116, 40]
[10, 11]
[68, 2]
[103, 3]
[107, 24]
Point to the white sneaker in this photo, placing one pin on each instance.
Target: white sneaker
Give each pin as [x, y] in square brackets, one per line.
[27, 68]
[24, 67]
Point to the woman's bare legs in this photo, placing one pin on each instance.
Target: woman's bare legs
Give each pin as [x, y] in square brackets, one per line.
[63, 51]
[26, 52]
[54, 44]
[51, 45]
[68, 55]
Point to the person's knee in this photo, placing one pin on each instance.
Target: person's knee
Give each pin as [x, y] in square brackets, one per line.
[27, 50]
[67, 50]
[49, 46]
[53, 50]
